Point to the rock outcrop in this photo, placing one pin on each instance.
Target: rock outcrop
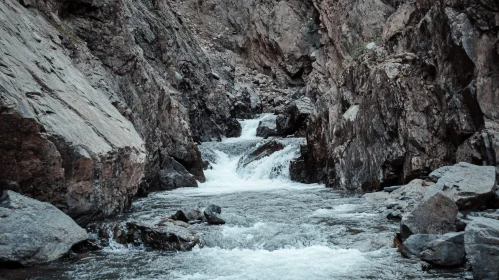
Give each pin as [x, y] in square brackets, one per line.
[34, 232]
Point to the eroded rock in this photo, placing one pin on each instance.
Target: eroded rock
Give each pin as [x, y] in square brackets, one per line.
[482, 247]
[34, 232]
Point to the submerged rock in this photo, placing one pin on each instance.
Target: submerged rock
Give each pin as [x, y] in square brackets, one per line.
[434, 215]
[34, 232]
[482, 247]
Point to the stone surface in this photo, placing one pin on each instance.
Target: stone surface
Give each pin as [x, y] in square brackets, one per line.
[482, 247]
[434, 215]
[267, 127]
[447, 250]
[417, 243]
[212, 215]
[34, 232]
[470, 186]
[293, 120]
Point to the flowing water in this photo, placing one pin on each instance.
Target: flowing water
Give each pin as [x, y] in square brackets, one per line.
[276, 229]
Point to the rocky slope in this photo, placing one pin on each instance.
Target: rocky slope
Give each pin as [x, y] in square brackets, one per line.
[101, 97]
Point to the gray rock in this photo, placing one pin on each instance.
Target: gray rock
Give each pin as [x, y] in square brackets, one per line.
[267, 127]
[212, 215]
[417, 243]
[446, 250]
[34, 232]
[293, 120]
[470, 186]
[481, 241]
[194, 215]
[180, 216]
[259, 152]
[434, 215]
[391, 189]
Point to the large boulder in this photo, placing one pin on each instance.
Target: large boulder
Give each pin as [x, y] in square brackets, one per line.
[434, 215]
[293, 121]
[416, 243]
[34, 232]
[481, 241]
[470, 186]
[446, 250]
[267, 127]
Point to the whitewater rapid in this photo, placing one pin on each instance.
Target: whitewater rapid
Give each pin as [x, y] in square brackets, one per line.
[276, 228]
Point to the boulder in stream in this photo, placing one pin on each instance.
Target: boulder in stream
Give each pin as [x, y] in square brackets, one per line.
[434, 215]
[212, 215]
[34, 232]
[260, 152]
[267, 127]
[446, 250]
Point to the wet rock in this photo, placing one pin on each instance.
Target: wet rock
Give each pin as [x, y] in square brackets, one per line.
[212, 215]
[195, 215]
[434, 215]
[470, 186]
[174, 176]
[180, 216]
[234, 129]
[34, 232]
[482, 247]
[259, 152]
[417, 243]
[267, 127]
[293, 121]
[164, 236]
[446, 250]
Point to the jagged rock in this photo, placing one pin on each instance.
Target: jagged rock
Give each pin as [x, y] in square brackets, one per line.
[434, 215]
[180, 216]
[195, 215]
[174, 176]
[247, 102]
[34, 232]
[482, 247]
[470, 186]
[212, 215]
[165, 236]
[446, 250]
[267, 127]
[260, 152]
[293, 121]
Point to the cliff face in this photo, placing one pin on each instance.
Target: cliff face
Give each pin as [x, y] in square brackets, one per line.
[99, 97]
[402, 88]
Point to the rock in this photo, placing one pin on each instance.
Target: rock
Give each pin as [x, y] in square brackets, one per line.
[247, 102]
[470, 186]
[180, 216]
[446, 250]
[259, 152]
[195, 215]
[482, 247]
[294, 118]
[174, 176]
[165, 236]
[212, 215]
[267, 127]
[34, 232]
[434, 215]
[417, 243]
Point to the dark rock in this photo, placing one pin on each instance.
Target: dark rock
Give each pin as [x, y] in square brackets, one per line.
[394, 215]
[434, 215]
[417, 243]
[470, 186]
[180, 216]
[86, 246]
[233, 129]
[293, 121]
[259, 152]
[391, 189]
[482, 247]
[174, 176]
[164, 236]
[212, 215]
[267, 127]
[34, 232]
[446, 250]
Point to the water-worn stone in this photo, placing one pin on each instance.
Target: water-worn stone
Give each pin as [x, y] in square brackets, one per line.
[481, 241]
[212, 215]
[417, 243]
[34, 232]
[470, 186]
[446, 250]
[434, 215]
[267, 127]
